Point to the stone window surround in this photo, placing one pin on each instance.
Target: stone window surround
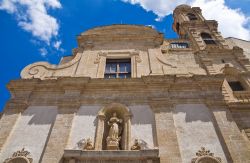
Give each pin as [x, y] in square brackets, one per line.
[134, 55]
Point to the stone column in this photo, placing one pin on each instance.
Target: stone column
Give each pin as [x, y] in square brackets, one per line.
[127, 135]
[99, 132]
[9, 118]
[58, 139]
[166, 134]
[238, 148]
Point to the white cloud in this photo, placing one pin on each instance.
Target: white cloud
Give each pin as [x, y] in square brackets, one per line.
[57, 44]
[160, 7]
[32, 16]
[43, 52]
[232, 22]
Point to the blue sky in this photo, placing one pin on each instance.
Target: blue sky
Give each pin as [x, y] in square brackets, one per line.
[46, 30]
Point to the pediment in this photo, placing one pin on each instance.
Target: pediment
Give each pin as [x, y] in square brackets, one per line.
[120, 36]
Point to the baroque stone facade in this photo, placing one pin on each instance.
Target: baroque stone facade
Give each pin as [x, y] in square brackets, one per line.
[128, 95]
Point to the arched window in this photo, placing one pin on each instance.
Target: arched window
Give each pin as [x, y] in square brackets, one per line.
[191, 16]
[207, 38]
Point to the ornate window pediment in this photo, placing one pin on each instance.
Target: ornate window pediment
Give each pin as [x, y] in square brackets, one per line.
[21, 156]
[205, 156]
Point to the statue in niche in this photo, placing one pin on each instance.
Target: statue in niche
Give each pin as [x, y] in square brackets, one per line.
[114, 137]
[136, 145]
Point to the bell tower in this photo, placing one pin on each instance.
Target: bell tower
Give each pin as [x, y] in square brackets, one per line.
[189, 23]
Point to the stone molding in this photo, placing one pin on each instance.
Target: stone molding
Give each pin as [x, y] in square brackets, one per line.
[116, 155]
[134, 55]
[21, 156]
[71, 91]
[43, 70]
[204, 155]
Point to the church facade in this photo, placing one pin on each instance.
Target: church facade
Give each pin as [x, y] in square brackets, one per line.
[127, 95]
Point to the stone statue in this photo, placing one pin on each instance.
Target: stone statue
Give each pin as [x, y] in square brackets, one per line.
[114, 132]
[88, 145]
[136, 145]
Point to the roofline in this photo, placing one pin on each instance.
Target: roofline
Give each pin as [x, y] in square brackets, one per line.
[236, 39]
[102, 26]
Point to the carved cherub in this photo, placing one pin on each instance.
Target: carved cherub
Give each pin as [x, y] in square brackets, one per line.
[88, 145]
[136, 145]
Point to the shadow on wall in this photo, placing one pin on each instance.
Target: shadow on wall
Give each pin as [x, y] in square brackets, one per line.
[144, 145]
[141, 115]
[41, 114]
[202, 113]
[194, 112]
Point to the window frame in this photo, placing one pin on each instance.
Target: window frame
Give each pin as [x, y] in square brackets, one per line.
[207, 38]
[118, 72]
[192, 17]
[236, 86]
[101, 57]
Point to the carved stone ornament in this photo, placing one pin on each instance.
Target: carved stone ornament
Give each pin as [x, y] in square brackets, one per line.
[205, 156]
[136, 145]
[21, 156]
[86, 144]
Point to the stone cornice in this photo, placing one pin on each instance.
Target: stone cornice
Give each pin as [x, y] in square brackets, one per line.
[78, 83]
[116, 154]
[73, 91]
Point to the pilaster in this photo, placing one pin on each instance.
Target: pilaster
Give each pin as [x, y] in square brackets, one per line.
[166, 133]
[238, 148]
[57, 141]
[8, 120]
[99, 132]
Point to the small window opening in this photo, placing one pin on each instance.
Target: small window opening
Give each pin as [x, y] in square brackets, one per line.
[191, 16]
[207, 38]
[118, 68]
[179, 45]
[236, 86]
[178, 27]
[223, 61]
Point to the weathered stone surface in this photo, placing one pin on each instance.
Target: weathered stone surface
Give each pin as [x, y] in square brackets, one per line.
[180, 102]
[166, 134]
[58, 137]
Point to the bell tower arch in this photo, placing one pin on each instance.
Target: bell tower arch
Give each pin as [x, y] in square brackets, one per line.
[189, 23]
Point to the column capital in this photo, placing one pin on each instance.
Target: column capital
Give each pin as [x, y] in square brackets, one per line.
[15, 106]
[161, 106]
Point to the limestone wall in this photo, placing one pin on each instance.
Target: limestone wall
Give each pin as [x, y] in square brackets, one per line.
[142, 125]
[195, 129]
[84, 125]
[30, 132]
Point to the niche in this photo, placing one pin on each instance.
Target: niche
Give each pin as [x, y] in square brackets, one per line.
[113, 130]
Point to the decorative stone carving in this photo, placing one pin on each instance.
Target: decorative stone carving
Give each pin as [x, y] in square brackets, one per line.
[44, 70]
[136, 145]
[97, 59]
[114, 137]
[86, 144]
[205, 156]
[21, 156]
